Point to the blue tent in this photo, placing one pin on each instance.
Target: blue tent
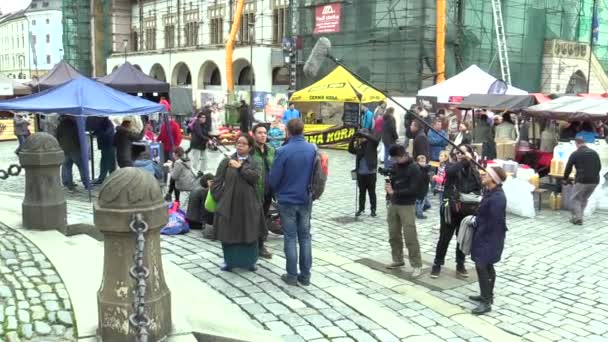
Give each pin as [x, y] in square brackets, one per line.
[82, 97]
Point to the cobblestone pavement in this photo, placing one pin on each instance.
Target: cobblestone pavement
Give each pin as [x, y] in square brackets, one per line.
[34, 304]
[551, 282]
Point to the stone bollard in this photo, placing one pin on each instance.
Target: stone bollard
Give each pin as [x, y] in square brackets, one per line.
[128, 192]
[44, 204]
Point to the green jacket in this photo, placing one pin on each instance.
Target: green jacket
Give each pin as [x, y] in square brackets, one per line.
[265, 164]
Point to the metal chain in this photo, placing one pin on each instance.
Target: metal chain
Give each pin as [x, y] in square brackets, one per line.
[13, 170]
[138, 319]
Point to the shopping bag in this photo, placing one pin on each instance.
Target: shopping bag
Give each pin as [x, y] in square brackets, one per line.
[210, 203]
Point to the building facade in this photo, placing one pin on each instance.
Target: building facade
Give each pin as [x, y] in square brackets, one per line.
[183, 42]
[31, 40]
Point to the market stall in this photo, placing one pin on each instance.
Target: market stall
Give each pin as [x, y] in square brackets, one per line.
[61, 73]
[129, 79]
[339, 86]
[82, 98]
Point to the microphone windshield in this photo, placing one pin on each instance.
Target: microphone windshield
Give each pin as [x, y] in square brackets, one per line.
[317, 55]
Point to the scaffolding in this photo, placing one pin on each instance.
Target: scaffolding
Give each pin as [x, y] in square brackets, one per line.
[392, 42]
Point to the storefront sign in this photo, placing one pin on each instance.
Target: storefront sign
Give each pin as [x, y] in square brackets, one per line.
[327, 18]
[331, 136]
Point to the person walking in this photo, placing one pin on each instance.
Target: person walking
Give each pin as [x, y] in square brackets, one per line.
[21, 123]
[389, 133]
[123, 142]
[198, 142]
[67, 136]
[263, 157]
[437, 141]
[276, 132]
[421, 144]
[105, 142]
[245, 117]
[402, 191]
[367, 118]
[290, 180]
[238, 217]
[364, 145]
[171, 137]
[489, 237]
[588, 166]
[291, 113]
[461, 177]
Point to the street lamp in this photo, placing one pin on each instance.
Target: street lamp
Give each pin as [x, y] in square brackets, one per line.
[251, 37]
[125, 43]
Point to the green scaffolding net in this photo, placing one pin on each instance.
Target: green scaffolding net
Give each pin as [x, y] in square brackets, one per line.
[392, 42]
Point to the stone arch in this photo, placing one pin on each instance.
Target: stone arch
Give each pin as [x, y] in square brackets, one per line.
[209, 75]
[280, 76]
[158, 72]
[242, 71]
[181, 75]
[577, 83]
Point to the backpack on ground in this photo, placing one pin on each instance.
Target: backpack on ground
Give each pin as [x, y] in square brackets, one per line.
[320, 170]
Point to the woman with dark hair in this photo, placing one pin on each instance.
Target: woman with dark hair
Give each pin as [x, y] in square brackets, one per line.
[505, 131]
[239, 220]
[489, 236]
[461, 177]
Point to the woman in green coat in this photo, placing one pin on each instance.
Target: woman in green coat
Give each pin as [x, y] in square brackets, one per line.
[263, 156]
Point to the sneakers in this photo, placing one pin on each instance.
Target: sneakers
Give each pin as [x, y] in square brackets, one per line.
[358, 213]
[395, 265]
[303, 282]
[289, 280]
[264, 253]
[461, 271]
[417, 272]
[435, 271]
[576, 222]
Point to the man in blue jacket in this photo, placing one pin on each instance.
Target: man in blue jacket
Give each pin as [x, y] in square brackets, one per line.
[291, 113]
[290, 179]
[436, 142]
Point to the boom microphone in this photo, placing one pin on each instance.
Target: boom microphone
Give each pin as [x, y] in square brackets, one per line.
[317, 55]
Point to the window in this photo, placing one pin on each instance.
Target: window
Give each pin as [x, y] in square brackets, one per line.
[45, 4]
[279, 24]
[48, 21]
[33, 5]
[150, 33]
[33, 22]
[191, 33]
[246, 31]
[169, 36]
[33, 39]
[216, 30]
[48, 38]
[48, 59]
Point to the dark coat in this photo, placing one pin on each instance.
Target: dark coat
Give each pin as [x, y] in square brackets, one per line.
[123, 140]
[421, 145]
[406, 183]
[238, 217]
[105, 134]
[200, 136]
[366, 149]
[461, 177]
[245, 118]
[67, 136]
[389, 131]
[489, 235]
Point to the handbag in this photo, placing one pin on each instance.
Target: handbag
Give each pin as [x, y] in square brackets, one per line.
[210, 203]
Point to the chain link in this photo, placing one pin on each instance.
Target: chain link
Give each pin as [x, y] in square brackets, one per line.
[140, 273]
[13, 170]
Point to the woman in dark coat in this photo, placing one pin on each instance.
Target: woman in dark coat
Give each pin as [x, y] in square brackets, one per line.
[238, 218]
[461, 177]
[489, 236]
[364, 145]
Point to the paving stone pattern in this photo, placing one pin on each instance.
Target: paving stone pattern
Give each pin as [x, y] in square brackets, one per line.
[551, 282]
[34, 304]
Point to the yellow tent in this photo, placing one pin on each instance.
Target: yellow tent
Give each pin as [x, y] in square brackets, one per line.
[338, 86]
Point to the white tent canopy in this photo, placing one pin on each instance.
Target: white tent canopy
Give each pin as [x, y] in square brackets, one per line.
[571, 108]
[473, 80]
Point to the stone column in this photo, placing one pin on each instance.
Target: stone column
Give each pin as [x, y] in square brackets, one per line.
[44, 204]
[127, 192]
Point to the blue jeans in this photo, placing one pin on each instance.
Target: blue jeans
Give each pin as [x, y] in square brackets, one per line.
[422, 205]
[21, 139]
[387, 161]
[295, 220]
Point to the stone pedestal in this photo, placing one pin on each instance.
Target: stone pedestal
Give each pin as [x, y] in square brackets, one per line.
[127, 192]
[44, 205]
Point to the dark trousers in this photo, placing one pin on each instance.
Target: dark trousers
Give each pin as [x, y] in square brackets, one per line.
[172, 188]
[367, 184]
[486, 276]
[446, 232]
[265, 208]
[107, 164]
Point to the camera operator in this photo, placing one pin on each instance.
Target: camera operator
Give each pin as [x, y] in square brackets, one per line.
[364, 145]
[403, 189]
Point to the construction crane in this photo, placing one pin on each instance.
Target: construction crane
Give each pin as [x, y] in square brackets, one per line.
[501, 41]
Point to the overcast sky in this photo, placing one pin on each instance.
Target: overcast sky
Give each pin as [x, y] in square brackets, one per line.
[13, 5]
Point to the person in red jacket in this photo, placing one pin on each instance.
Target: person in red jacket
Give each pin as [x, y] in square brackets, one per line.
[169, 144]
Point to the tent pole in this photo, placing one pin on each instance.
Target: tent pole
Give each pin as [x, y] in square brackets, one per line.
[92, 158]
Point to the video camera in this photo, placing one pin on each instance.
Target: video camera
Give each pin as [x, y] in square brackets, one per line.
[388, 172]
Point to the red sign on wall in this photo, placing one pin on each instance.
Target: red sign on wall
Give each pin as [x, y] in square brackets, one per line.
[327, 18]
